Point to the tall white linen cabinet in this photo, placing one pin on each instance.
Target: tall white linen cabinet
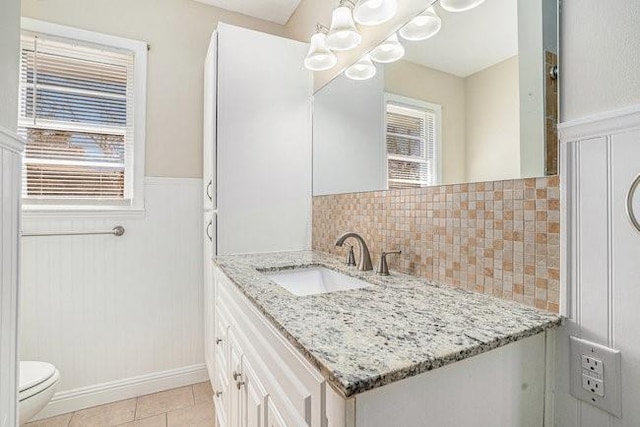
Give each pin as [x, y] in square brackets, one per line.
[256, 171]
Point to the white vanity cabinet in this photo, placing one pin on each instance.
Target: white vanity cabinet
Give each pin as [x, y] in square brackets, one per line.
[259, 378]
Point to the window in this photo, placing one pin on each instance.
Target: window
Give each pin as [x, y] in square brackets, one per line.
[413, 133]
[82, 114]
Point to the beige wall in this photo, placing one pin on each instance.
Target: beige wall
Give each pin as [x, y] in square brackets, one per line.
[178, 32]
[600, 57]
[418, 82]
[493, 123]
[9, 57]
[303, 22]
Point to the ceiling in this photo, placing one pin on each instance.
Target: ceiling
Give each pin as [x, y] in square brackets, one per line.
[278, 11]
[470, 41]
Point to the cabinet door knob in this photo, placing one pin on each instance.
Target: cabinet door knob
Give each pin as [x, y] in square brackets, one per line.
[218, 393]
[209, 190]
[218, 340]
[236, 375]
[209, 235]
[239, 384]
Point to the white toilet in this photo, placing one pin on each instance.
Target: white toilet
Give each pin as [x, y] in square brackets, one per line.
[38, 382]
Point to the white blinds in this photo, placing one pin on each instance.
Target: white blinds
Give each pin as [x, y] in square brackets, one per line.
[76, 114]
[410, 146]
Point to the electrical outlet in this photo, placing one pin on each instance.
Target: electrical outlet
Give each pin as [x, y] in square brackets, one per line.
[596, 375]
[592, 364]
[592, 385]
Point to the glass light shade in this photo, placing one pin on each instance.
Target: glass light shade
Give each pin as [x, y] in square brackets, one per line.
[343, 34]
[459, 5]
[374, 12]
[388, 51]
[364, 69]
[319, 58]
[423, 26]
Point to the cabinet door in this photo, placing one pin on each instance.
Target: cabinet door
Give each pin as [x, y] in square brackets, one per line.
[209, 301]
[279, 89]
[254, 397]
[210, 124]
[221, 399]
[235, 366]
[222, 379]
[274, 419]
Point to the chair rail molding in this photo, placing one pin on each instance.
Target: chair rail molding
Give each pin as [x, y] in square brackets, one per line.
[602, 124]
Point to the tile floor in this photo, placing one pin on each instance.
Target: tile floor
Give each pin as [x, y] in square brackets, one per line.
[190, 406]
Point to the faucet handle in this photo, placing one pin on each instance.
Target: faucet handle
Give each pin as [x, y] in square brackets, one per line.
[351, 257]
[383, 268]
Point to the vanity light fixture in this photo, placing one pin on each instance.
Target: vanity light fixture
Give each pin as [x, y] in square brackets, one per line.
[364, 69]
[388, 51]
[343, 34]
[423, 26]
[459, 5]
[374, 12]
[320, 57]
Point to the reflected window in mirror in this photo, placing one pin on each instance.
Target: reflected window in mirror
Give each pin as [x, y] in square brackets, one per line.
[413, 142]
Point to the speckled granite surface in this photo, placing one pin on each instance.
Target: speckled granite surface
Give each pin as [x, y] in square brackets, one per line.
[399, 327]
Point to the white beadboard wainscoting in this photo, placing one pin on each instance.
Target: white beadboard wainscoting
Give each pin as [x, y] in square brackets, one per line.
[118, 316]
[10, 171]
[601, 159]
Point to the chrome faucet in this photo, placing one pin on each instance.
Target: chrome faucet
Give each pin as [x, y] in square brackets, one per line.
[365, 257]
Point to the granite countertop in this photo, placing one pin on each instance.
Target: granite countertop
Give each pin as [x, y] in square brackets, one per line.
[399, 327]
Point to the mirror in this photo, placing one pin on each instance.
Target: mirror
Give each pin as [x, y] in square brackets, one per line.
[478, 101]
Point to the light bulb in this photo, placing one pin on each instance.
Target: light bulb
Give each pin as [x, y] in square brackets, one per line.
[459, 5]
[343, 34]
[388, 51]
[374, 12]
[423, 26]
[319, 58]
[361, 70]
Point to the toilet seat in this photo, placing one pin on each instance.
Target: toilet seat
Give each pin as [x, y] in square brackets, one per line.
[35, 377]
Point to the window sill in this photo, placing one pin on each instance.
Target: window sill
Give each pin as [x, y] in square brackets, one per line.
[80, 212]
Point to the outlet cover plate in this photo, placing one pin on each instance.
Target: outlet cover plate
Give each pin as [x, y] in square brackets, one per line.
[611, 402]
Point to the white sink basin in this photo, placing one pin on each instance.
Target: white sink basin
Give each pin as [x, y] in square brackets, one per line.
[315, 280]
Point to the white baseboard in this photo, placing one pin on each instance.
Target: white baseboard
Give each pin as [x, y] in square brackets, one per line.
[73, 400]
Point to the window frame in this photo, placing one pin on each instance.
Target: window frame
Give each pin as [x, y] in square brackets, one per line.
[417, 104]
[134, 167]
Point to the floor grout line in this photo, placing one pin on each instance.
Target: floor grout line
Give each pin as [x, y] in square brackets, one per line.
[135, 412]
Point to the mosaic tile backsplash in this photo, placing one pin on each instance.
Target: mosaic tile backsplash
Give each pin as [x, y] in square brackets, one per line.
[500, 238]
